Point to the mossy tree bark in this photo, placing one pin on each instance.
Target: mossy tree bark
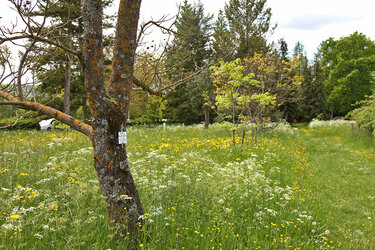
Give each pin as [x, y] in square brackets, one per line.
[109, 107]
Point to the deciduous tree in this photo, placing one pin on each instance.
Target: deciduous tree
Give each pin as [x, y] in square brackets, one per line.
[348, 64]
[109, 105]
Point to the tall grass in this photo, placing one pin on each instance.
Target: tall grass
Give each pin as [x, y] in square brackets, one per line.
[197, 193]
[345, 182]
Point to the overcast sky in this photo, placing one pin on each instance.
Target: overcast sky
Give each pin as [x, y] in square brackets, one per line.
[308, 21]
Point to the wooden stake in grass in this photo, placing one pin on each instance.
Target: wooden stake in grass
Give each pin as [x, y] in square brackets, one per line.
[234, 139]
[243, 139]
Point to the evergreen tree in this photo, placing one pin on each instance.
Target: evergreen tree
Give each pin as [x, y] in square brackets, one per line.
[315, 98]
[283, 50]
[59, 72]
[249, 21]
[310, 97]
[189, 52]
[223, 39]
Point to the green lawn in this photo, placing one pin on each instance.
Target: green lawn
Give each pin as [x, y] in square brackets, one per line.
[294, 189]
[345, 183]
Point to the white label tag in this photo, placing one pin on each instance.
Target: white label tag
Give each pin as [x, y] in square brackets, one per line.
[121, 137]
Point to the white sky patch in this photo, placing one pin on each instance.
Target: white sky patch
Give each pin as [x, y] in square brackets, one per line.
[317, 21]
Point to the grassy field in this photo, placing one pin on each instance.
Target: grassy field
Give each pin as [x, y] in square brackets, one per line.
[301, 188]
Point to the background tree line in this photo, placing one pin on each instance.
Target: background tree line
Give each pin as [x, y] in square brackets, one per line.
[338, 77]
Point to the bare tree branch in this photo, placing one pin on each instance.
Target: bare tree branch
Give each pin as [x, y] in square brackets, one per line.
[42, 39]
[58, 115]
[14, 123]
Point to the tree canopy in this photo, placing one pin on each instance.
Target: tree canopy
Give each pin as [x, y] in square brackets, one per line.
[348, 64]
[250, 21]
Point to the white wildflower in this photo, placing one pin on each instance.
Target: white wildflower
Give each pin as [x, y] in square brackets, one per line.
[39, 236]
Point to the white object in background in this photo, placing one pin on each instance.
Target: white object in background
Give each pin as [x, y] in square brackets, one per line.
[46, 124]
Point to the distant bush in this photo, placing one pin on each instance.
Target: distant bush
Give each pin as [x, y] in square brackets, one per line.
[60, 125]
[365, 115]
[30, 121]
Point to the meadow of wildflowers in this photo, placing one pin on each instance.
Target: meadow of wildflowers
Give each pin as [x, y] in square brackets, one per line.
[197, 192]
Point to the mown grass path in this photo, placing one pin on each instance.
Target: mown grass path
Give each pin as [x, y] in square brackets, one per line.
[344, 184]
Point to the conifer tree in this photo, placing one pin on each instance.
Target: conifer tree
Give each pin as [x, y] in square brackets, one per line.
[250, 22]
[189, 52]
[223, 39]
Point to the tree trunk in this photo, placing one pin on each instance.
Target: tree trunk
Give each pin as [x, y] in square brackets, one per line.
[243, 139]
[370, 133]
[117, 184]
[84, 111]
[234, 139]
[206, 117]
[110, 110]
[21, 71]
[84, 114]
[68, 77]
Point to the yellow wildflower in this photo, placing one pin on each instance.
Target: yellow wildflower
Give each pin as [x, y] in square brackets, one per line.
[14, 217]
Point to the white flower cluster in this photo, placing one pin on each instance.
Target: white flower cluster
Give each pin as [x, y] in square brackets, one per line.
[332, 123]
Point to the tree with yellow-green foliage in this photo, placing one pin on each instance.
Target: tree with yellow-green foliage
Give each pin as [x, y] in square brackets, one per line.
[250, 90]
[254, 87]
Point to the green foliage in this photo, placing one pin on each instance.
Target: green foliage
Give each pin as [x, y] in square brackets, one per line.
[155, 109]
[241, 92]
[230, 78]
[249, 21]
[223, 39]
[66, 26]
[348, 64]
[310, 96]
[188, 50]
[189, 53]
[283, 50]
[365, 115]
[30, 121]
[61, 126]
[6, 111]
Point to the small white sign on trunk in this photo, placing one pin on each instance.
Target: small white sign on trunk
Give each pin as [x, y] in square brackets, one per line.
[121, 137]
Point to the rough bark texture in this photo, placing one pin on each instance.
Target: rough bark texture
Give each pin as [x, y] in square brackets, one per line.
[110, 111]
